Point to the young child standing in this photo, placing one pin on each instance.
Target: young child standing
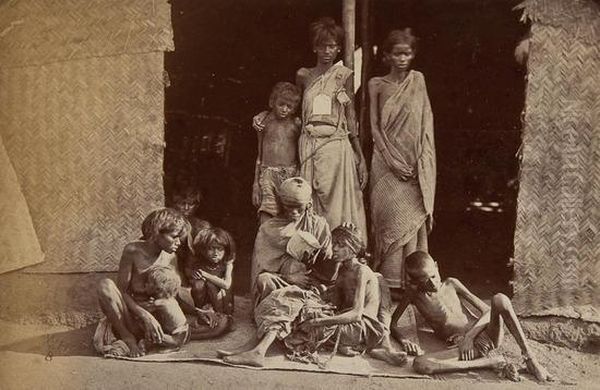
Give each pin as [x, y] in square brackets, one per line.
[277, 158]
[162, 286]
[123, 302]
[439, 302]
[210, 269]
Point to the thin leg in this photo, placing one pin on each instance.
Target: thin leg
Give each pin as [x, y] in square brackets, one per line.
[256, 356]
[115, 309]
[502, 307]
[199, 292]
[447, 361]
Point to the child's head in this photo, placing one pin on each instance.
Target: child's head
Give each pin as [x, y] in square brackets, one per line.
[167, 227]
[422, 272]
[187, 201]
[347, 243]
[294, 197]
[284, 100]
[327, 39]
[214, 245]
[399, 48]
[162, 282]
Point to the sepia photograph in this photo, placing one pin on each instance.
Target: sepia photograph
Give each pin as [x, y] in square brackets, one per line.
[299, 194]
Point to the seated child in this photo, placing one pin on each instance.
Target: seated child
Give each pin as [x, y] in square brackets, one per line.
[162, 286]
[210, 270]
[304, 321]
[439, 302]
[362, 300]
[122, 303]
[277, 158]
[187, 201]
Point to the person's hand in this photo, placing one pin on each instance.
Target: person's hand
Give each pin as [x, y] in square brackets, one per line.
[209, 317]
[363, 173]
[258, 121]
[307, 325]
[148, 304]
[411, 348]
[198, 275]
[429, 224]
[152, 330]
[465, 349]
[256, 195]
[299, 279]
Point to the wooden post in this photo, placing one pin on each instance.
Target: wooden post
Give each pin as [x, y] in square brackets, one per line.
[367, 53]
[349, 17]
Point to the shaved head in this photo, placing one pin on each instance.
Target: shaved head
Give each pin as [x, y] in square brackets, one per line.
[418, 260]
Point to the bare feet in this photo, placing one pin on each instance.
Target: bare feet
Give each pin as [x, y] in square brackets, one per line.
[537, 370]
[347, 350]
[395, 358]
[249, 358]
[134, 350]
[222, 353]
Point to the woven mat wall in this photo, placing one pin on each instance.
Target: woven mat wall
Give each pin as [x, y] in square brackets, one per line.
[557, 238]
[86, 140]
[19, 243]
[34, 32]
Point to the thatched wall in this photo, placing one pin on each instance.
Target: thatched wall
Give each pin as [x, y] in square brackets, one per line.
[557, 238]
[81, 117]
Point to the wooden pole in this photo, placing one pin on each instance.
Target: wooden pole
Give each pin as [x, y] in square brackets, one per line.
[367, 53]
[348, 18]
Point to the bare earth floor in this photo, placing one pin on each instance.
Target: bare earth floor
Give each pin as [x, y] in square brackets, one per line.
[25, 363]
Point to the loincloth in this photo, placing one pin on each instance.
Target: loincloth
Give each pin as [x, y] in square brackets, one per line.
[269, 181]
[483, 344]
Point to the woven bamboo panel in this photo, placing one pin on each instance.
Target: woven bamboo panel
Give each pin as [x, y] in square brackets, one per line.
[34, 32]
[19, 243]
[86, 140]
[579, 17]
[557, 238]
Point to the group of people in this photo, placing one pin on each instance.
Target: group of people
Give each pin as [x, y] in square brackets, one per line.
[312, 285]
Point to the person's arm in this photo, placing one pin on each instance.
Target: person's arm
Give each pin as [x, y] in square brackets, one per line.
[466, 349]
[225, 282]
[408, 345]
[354, 314]
[152, 329]
[255, 186]
[353, 134]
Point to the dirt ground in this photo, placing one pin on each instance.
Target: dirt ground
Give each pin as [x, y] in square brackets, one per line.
[38, 356]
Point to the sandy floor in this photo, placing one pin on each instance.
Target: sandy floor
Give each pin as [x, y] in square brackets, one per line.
[25, 363]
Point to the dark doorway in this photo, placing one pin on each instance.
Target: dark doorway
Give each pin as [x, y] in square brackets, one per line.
[229, 53]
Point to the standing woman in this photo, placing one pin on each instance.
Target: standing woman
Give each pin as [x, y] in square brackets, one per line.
[329, 148]
[403, 168]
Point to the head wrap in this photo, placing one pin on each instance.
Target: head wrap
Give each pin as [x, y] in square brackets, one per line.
[295, 190]
[349, 235]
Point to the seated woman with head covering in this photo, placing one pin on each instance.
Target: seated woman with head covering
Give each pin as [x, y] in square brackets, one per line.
[274, 263]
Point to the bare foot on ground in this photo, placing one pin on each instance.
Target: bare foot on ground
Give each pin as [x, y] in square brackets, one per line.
[134, 350]
[249, 358]
[395, 358]
[537, 370]
[348, 351]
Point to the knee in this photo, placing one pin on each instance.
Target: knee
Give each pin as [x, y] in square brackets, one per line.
[422, 365]
[106, 289]
[501, 302]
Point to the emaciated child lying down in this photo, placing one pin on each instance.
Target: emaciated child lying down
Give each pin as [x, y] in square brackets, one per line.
[439, 302]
